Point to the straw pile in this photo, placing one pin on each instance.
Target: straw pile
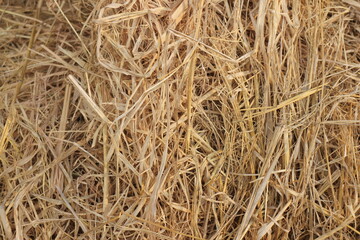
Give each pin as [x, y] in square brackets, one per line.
[179, 119]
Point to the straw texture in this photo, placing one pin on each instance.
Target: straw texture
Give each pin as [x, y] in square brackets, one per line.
[180, 119]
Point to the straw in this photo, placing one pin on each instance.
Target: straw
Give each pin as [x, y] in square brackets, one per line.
[179, 119]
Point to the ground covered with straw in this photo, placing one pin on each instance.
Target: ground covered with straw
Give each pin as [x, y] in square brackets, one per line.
[180, 119]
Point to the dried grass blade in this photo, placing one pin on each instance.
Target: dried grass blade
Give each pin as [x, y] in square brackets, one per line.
[87, 98]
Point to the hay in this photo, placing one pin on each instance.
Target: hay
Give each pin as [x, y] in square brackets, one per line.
[199, 119]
